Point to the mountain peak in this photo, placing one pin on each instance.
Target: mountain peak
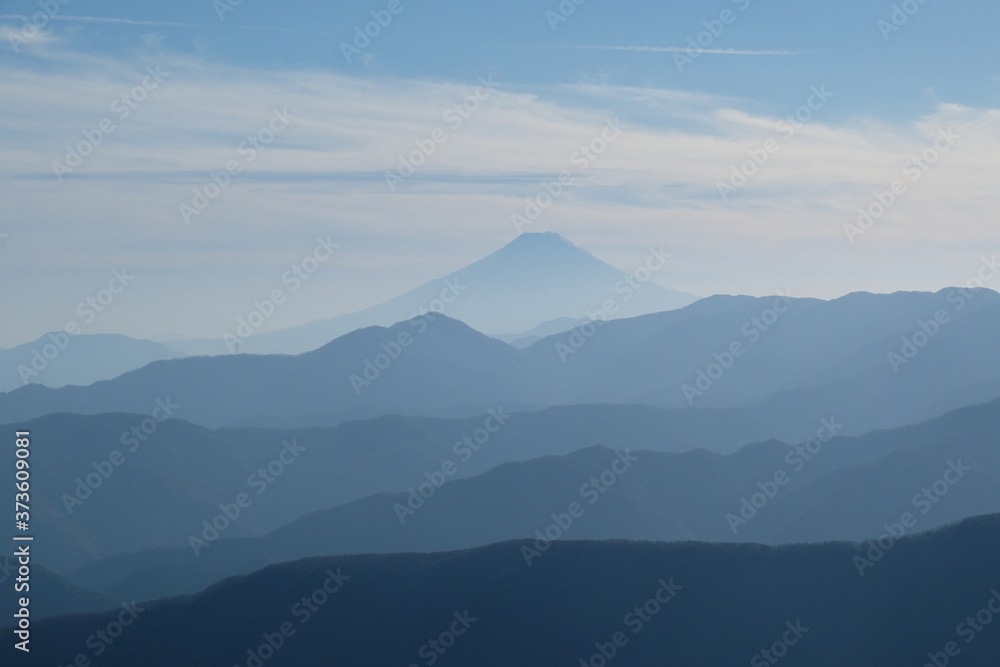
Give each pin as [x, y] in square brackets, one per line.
[536, 277]
[550, 241]
[538, 238]
[541, 249]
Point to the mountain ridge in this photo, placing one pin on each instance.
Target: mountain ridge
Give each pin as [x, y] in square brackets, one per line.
[696, 593]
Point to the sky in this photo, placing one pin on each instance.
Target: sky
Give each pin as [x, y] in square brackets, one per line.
[176, 161]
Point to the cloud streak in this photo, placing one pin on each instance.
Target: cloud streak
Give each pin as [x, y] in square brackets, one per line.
[163, 24]
[679, 49]
[324, 174]
[103, 19]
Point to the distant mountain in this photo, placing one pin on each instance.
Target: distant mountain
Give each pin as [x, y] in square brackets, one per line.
[535, 278]
[87, 508]
[926, 600]
[686, 357]
[411, 367]
[846, 488]
[853, 357]
[787, 358]
[532, 336]
[51, 595]
[57, 359]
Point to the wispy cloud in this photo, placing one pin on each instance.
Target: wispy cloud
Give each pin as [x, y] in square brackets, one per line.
[10, 36]
[166, 24]
[677, 49]
[104, 19]
[325, 174]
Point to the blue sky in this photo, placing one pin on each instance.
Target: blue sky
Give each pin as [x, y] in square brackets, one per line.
[888, 96]
[944, 52]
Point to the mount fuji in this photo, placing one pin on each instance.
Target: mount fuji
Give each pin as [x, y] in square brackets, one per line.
[534, 279]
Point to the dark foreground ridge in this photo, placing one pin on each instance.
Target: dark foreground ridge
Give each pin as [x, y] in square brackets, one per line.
[909, 602]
